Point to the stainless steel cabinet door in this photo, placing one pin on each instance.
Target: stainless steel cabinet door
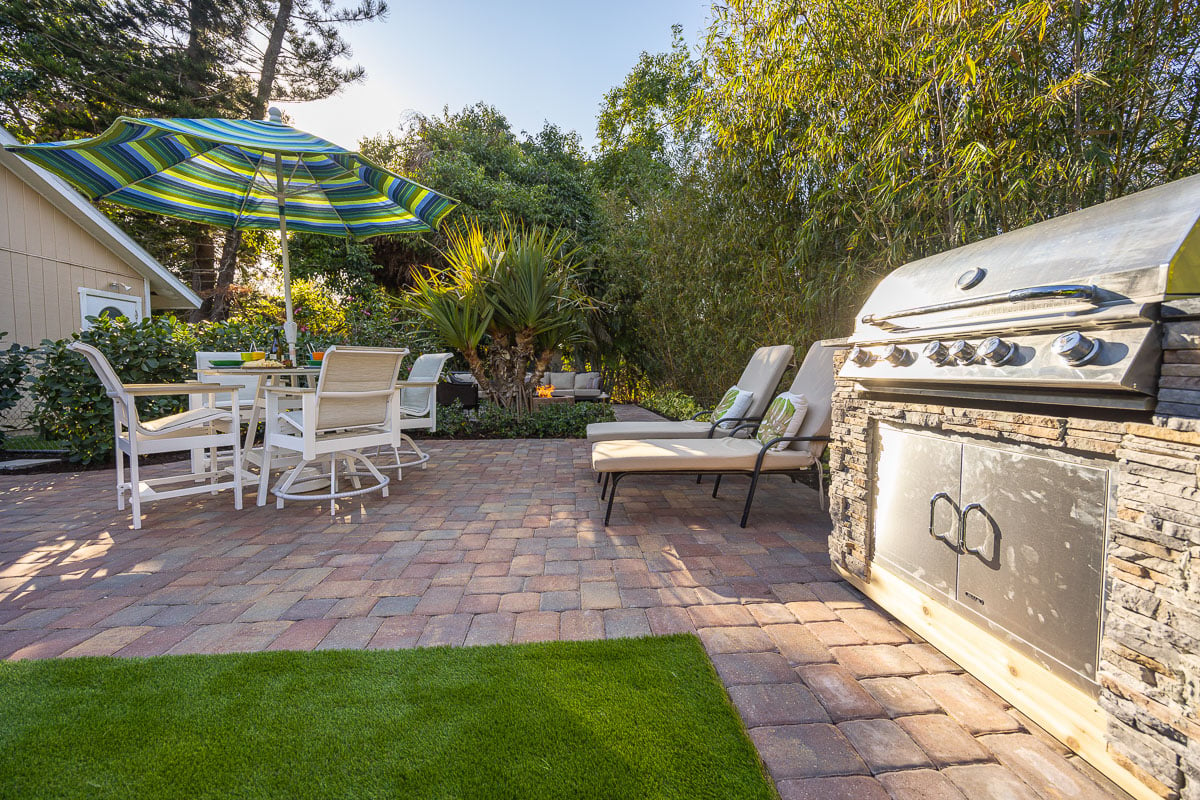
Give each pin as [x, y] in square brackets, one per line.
[1034, 549]
[916, 506]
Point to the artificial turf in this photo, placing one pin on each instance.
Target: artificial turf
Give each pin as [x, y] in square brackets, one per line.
[627, 718]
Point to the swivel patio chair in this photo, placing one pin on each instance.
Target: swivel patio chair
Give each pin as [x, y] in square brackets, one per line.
[354, 406]
[418, 411]
[204, 428]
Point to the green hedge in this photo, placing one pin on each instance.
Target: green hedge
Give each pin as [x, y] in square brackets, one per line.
[671, 403]
[490, 421]
[71, 404]
[13, 368]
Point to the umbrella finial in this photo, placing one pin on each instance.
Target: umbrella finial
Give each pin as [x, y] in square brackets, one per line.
[274, 115]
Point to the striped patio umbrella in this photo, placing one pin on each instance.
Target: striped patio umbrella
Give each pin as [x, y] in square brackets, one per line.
[244, 174]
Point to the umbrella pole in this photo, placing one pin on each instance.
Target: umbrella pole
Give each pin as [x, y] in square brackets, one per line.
[289, 326]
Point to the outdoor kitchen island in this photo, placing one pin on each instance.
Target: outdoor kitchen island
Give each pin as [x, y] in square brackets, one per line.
[1015, 461]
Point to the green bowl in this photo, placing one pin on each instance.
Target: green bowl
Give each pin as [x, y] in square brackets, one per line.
[312, 363]
[226, 363]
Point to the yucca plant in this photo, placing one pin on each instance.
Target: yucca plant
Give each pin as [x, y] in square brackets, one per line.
[508, 301]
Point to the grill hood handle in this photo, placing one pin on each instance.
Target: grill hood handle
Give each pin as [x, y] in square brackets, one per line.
[1071, 290]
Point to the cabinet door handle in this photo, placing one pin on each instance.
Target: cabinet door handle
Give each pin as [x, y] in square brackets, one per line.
[962, 527]
[952, 537]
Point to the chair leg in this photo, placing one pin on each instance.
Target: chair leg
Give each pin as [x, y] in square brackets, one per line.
[285, 482]
[420, 453]
[332, 483]
[264, 475]
[612, 493]
[371, 468]
[717, 485]
[212, 466]
[135, 489]
[604, 485]
[699, 478]
[822, 498]
[749, 498]
[120, 478]
[237, 468]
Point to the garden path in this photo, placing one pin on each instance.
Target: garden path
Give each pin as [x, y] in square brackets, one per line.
[502, 541]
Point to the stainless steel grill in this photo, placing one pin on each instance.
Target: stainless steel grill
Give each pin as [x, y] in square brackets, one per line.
[1064, 311]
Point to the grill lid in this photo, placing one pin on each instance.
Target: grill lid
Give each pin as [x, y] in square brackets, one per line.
[1104, 262]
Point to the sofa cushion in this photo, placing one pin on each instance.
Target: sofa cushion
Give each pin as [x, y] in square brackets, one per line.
[587, 380]
[561, 380]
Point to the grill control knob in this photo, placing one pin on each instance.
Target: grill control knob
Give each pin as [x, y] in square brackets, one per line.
[1075, 348]
[862, 356]
[937, 352]
[896, 355]
[996, 351]
[962, 351]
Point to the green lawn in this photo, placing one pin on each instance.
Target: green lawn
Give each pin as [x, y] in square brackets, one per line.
[627, 718]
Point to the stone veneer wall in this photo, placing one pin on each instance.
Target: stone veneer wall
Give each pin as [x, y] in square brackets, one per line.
[1150, 645]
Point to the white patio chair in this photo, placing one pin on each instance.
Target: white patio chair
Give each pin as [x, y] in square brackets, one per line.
[418, 409]
[248, 396]
[208, 428]
[354, 406]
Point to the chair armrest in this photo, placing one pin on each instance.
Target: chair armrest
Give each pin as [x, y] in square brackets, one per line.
[695, 417]
[292, 390]
[746, 422]
[193, 387]
[417, 384]
[767, 447]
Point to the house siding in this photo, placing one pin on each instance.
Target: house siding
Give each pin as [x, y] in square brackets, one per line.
[45, 258]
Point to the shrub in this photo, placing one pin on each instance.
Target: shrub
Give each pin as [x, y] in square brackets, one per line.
[71, 405]
[671, 403]
[13, 368]
[492, 421]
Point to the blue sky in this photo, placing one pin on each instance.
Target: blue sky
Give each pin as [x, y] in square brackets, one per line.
[535, 60]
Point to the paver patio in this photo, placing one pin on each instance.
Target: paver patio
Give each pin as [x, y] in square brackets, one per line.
[502, 541]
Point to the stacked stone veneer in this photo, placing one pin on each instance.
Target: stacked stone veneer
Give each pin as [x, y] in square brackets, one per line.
[1150, 644]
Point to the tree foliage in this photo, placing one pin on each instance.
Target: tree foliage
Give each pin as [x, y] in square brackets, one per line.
[508, 300]
[842, 138]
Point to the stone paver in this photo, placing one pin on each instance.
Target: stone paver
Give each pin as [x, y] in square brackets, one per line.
[806, 751]
[978, 709]
[920, 784]
[776, 704]
[884, 745]
[943, 739]
[990, 782]
[503, 542]
[852, 787]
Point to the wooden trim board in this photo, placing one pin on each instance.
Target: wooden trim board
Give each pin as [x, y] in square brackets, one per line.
[1068, 714]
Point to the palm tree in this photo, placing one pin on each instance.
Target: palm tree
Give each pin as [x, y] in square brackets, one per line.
[508, 301]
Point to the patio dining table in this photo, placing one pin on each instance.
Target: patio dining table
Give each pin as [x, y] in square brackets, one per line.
[267, 376]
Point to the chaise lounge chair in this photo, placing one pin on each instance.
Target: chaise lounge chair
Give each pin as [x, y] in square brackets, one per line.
[732, 455]
[761, 376]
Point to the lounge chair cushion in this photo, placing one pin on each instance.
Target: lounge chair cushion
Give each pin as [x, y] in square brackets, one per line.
[733, 406]
[783, 418]
[658, 429]
[691, 455]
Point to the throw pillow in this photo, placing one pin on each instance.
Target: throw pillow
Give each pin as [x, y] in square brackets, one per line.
[587, 380]
[732, 406]
[783, 418]
[562, 380]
